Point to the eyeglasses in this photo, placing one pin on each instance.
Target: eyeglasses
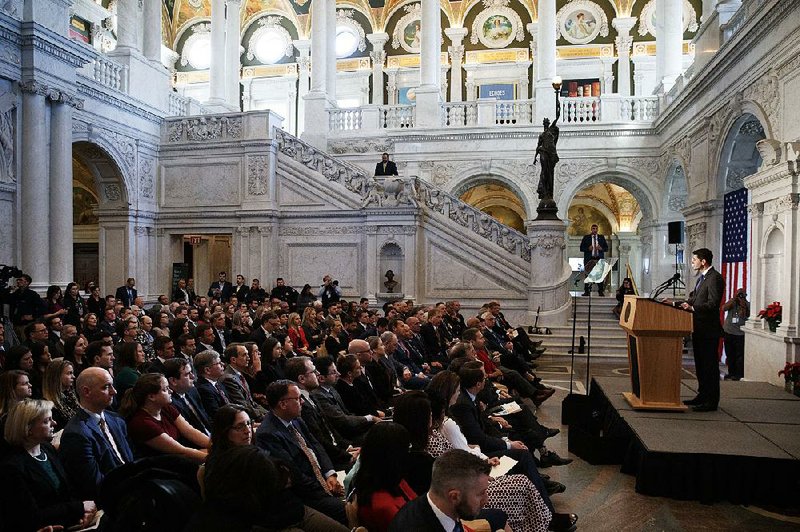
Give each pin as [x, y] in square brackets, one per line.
[244, 426]
[310, 372]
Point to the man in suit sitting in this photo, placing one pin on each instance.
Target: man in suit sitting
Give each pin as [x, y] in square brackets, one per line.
[385, 167]
[236, 387]
[332, 405]
[458, 491]
[704, 303]
[594, 247]
[222, 289]
[287, 438]
[95, 440]
[185, 398]
[358, 398]
[209, 370]
[222, 335]
[127, 294]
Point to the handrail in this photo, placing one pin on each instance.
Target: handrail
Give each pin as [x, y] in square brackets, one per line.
[394, 192]
[107, 72]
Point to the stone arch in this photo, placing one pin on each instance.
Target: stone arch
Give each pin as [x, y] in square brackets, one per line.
[676, 192]
[484, 178]
[112, 186]
[738, 156]
[635, 186]
[772, 262]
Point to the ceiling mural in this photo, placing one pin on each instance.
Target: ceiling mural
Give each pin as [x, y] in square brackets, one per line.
[619, 202]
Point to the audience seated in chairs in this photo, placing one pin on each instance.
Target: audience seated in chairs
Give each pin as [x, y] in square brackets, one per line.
[59, 388]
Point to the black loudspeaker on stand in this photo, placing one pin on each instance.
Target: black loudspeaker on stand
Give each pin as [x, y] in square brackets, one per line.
[575, 406]
[675, 237]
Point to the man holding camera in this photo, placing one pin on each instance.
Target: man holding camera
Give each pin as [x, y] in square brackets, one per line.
[737, 310]
[329, 291]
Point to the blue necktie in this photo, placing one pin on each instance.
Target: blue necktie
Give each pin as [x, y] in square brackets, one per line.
[699, 282]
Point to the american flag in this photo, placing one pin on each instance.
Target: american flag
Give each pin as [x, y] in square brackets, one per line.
[734, 242]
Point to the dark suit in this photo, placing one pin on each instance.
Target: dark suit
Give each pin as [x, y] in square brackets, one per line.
[28, 499]
[418, 516]
[274, 437]
[476, 431]
[337, 414]
[182, 296]
[218, 337]
[354, 397]
[213, 397]
[225, 290]
[435, 342]
[238, 391]
[590, 260]
[87, 454]
[380, 380]
[198, 418]
[334, 443]
[706, 300]
[123, 297]
[241, 292]
[387, 168]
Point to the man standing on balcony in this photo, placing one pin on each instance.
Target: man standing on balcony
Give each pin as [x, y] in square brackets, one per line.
[385, 167]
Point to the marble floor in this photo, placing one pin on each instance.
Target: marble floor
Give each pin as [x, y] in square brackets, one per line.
[605, 499]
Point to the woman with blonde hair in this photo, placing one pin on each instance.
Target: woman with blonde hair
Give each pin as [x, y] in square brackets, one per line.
[242, 326]
[297, 335]
[155, 426]
[59, 388]
[312, 329]
[35, 492]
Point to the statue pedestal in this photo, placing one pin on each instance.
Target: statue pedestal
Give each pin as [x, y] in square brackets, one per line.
[550, 272]
[547, 210]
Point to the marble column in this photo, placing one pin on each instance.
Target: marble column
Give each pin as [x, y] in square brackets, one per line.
[548, 288]
[378, 55]
[669, 42]
[624, 42]
[319, 58]
[330, 49]
[232, 53]
[34, 185]
[456, 36]
[429, 92]
[303, 65]
[61, 254]
[152, 31]
[546, 60]
[216, 72]
[315, 123]
[128, 24]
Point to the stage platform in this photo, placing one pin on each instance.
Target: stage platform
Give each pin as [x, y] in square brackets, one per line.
[746, 452]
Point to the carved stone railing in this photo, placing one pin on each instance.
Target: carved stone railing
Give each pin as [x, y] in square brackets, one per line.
[473, 219]
[344, 119]
[178, 105]
[638, 108]
[397, 116]
[394, 192]
[738, 20]
[218, 128]
[458, 114]
[515, 112]
[580, 110]
[107, 73]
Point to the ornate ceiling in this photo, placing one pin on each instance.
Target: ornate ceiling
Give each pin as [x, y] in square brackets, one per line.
[611, 199]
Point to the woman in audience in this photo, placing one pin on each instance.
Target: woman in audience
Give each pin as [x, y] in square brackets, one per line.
[253, 374]
[379, 484]
[622, 291]
[95, 303]
[14, 387]
[297, 335]
[179, 326]
[527, 508]
[312, 329]
[20, 357]
[75, 305]
[129, 357]
[272, 362]
[154, 425]
[41, 359]
[230, 428]
[306, 298]
[74, 351]
[334, 343]
[242, 326]
[90, 325]
[54, 301]
[288, 349]
[245, 491]
[162, 327]
[34, 492]
[59, 389]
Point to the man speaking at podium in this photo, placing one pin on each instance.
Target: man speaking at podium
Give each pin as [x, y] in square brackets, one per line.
[704, 303]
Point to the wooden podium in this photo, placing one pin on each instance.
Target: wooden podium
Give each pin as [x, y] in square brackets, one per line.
[655, 346]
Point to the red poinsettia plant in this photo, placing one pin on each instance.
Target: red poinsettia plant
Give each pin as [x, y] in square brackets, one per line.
[772, 314]
[791, 372]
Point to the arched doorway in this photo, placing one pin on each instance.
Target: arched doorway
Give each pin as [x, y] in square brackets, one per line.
[617, 213]
[98, 190]
[497, 200]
